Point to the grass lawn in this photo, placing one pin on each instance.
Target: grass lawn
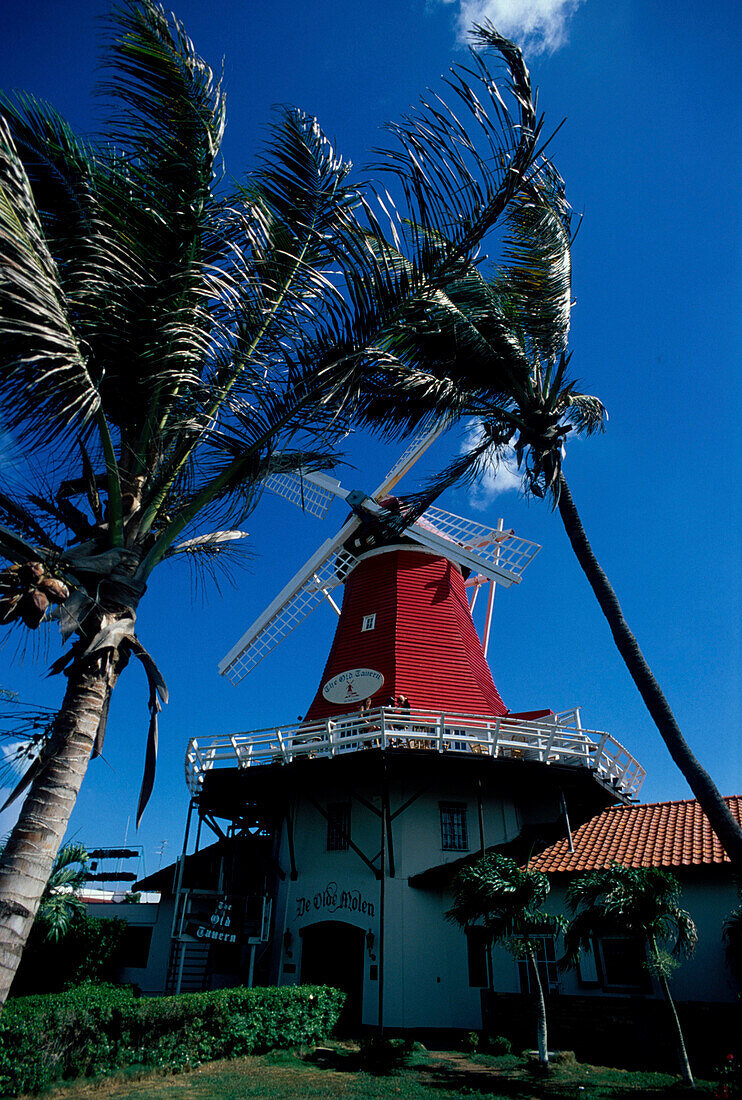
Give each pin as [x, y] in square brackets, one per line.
[333, 1071]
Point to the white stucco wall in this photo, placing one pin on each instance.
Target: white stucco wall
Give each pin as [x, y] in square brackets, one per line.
[709, 896]
[426, 980]
[155, 915]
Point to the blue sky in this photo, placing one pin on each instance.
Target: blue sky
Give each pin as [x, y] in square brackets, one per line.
[649, 153]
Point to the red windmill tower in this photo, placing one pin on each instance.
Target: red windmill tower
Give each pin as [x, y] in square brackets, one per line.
[405, 628]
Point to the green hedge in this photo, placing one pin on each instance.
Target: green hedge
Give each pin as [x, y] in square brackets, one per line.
[96, 1029]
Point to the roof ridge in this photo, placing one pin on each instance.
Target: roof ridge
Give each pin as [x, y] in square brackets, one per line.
[664, 802]
[672, 833]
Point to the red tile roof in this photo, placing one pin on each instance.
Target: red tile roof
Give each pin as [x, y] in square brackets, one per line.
[658, 834]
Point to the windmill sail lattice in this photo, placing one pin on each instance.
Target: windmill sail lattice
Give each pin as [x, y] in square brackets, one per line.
[327, 569]
[308, 495]
[498, 555]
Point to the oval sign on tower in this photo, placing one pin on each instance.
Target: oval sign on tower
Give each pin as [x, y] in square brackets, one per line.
[352, 686]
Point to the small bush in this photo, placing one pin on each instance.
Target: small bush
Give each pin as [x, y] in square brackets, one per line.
[95, 1029]
[383, 1056]
[497, 1045]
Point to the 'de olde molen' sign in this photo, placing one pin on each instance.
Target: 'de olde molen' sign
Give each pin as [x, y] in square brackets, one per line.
[334, 900]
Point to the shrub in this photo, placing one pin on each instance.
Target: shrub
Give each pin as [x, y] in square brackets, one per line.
[498, 1045]
[89, 948]
[382, 1055]
[95, 1029]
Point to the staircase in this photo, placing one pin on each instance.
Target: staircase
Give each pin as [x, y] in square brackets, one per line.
[195, 957]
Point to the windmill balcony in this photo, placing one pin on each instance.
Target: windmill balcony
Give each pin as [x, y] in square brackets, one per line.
[556, 739]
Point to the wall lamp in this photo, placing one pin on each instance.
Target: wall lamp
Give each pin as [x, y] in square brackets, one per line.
[288, 939]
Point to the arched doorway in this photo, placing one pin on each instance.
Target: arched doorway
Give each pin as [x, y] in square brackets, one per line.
[332, 954]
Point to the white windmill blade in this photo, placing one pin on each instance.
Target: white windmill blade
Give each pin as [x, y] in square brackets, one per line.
[300, 488]
[314, 492]
[325, 570]
[405, 462]
[500, 555]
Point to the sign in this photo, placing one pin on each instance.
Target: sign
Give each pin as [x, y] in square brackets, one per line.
[352, 686]
[219, 927]
[334, 900]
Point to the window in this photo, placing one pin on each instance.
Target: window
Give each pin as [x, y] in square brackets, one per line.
[622, 963]
[338, 826]
[478, 942]
[369, 622]
[546, 964]
[453, 827]
[587, 966]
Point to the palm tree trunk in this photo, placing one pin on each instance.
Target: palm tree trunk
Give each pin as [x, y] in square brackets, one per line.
[685, 1069]
[713, 805]
[543, 1045]
[29, 854]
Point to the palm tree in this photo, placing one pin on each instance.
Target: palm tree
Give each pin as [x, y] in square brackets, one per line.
[507, 901]
[519, 318]
[166, 344]
[60, 901]
[641, 902]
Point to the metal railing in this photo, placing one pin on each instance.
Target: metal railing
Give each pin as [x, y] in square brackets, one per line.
[556, 739]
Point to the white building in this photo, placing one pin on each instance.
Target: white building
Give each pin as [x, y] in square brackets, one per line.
[335, 834]
[337, 852]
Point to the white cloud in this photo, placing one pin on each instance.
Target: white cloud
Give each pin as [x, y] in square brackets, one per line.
[539, 26]
[501, 476]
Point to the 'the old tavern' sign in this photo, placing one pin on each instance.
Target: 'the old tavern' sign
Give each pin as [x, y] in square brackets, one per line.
[220, 926]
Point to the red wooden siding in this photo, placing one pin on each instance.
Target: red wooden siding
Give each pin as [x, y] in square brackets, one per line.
[424, 642]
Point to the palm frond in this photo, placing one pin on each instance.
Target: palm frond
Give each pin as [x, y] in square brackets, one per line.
[166, 108]
[44, 379]
[636, 901]
[458, 177]
[536, 276]
[500, 895]
[586, 413]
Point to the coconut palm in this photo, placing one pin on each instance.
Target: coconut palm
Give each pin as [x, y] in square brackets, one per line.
[519, 315]
[60, 901]
[495, 893]
[640, 902]
[168, 342]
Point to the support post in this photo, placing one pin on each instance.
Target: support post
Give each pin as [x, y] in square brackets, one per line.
[382, 896]
[490, 603]
[290, 840]
[386, 809]
[566, 822]
[181, 863]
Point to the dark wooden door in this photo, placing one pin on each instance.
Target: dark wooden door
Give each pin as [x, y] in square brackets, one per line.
[332, 954]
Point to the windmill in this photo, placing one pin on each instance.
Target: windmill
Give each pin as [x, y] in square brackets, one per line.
[405, 625]
[349, 851]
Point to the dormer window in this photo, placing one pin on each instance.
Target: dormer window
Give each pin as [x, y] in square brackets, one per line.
[369, 622]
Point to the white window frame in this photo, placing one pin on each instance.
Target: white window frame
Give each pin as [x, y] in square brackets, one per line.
[546, 963]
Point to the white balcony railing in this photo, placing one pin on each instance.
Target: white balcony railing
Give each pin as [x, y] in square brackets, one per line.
[557, 739]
